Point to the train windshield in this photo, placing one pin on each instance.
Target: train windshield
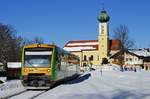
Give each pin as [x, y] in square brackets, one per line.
[37, 58]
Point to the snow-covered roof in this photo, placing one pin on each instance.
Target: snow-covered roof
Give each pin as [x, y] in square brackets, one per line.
[79, 48]
[88, 43]
[144, 53]
[83, 45]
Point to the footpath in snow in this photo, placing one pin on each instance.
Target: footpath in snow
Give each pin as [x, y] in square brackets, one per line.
[108, 85]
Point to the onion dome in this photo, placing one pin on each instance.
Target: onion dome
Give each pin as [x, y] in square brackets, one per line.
[103, 17]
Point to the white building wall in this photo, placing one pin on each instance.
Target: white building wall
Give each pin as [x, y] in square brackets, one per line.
[132, 59]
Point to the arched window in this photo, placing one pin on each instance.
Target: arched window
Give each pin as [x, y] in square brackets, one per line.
[84, 58]
[92, 58]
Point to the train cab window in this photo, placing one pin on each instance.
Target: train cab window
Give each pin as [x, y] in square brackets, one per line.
[37, 58]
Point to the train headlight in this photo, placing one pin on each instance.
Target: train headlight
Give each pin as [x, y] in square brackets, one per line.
[48, 70]
[25, 70]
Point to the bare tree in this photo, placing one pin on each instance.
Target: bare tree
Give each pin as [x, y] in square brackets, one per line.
[25, 41]
[121, 34]
[9, 44]
[38, 40]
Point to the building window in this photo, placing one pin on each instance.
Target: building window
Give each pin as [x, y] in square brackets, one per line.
[84, 58]
[92, 58]
[126, 59]
[130, 59]
[89, 58]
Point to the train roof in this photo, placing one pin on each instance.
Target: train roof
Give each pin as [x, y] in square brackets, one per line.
[59, 50]
[39, 45]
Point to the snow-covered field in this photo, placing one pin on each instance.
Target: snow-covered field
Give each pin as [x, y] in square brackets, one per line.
[10, 88]
[27, 95]
[109, 85]
[92, 85]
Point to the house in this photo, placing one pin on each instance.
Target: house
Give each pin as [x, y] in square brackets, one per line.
[137, 57]
[132, 58]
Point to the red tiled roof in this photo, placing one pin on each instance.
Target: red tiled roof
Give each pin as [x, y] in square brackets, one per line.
[114, 44]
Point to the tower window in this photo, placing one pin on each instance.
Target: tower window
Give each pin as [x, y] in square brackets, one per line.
[97, 58]
[84, 58]
[102, 29]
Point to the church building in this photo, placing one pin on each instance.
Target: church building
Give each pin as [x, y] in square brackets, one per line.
[93, 52]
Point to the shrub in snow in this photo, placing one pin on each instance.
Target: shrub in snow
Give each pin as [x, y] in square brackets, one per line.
[105, 61]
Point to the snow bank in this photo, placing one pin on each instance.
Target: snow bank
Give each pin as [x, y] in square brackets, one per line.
[106, 85]
[3, 79]
[10, 88]
[110, 67]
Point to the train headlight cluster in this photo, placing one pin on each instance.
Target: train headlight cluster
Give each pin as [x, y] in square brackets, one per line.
[25, 70]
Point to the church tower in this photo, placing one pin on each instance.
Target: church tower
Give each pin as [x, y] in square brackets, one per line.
[103, 37]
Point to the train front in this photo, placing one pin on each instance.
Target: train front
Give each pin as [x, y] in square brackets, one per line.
[36, 66]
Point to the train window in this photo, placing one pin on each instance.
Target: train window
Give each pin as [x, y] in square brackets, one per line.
[72, 60]
[38, 58]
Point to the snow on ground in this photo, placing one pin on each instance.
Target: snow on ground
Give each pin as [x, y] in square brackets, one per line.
[111, 67]
[105, 85]
[27, 95]
[10, 88]
[3, 79]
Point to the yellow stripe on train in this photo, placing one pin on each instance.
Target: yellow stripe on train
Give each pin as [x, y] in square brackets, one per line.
[46, 71]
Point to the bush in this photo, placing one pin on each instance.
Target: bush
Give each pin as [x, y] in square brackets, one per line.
[105, 61]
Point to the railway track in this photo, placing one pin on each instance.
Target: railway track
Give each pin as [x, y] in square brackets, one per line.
[28, 94]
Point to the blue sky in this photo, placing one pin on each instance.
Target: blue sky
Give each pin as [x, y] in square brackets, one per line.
[62, 20]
